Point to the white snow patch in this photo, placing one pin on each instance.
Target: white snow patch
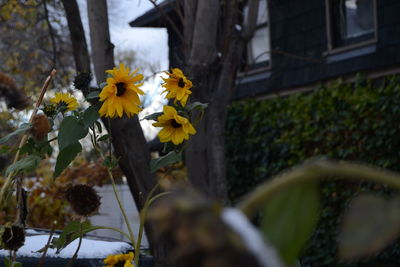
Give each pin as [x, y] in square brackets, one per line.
[89, 248]
[252, 237]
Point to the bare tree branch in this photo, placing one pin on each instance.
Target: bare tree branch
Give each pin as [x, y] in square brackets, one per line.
[168, 19]
[51, 33]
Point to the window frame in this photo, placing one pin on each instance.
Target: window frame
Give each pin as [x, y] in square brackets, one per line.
[331, 48]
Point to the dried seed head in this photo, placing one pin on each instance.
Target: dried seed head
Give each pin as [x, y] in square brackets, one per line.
[82, 82]
[83, 199]
[40, 126]
[14, 97]
[12, 236]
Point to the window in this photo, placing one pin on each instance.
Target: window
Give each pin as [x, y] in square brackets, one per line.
[259, 46]
[350, 22]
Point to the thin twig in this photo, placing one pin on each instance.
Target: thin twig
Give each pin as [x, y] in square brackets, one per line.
[51, 33]
[168, 19]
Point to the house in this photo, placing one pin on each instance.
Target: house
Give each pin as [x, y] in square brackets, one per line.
[301, 43]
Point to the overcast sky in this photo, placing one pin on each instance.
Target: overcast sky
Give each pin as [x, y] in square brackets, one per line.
[149, 44]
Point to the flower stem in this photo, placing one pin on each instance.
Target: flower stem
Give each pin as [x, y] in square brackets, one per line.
[114, 229]
[316, 169]
[142, 215]
[121, 207]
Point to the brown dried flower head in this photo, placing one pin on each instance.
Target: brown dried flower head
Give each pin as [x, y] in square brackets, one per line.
[83, 199]
[40, 126]
[15, 97]
[12, 236]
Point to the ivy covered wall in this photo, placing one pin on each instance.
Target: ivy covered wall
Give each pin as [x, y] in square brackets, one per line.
[358, 122]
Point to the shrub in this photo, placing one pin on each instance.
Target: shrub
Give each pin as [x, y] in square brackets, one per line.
[357, 122]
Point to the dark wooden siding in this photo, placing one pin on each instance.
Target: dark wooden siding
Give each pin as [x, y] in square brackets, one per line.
[299, 46]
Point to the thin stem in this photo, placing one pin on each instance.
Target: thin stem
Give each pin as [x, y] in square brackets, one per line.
[46, 247]
[71, 261]
[121, 207]
[8, 181]
[311, 171]
[114, 229]
[142, 215]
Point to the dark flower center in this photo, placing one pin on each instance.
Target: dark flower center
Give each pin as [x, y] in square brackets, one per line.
[62, 106]
[120, 88]
[181, 83]
[175, 124]
[120, 264]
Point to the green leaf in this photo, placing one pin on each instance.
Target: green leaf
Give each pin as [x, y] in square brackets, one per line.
[103, 138]
[66, 156]
[4, 149]
[153, 116]
[171, 158]
[71, 232]
[26, 164]
[290, 217]
[27, 148]
[93, 95]
[90, 116]
[369, 225]
[197, 105]
[71, 131]
[99, 128]
[110, 162]
[23, 128]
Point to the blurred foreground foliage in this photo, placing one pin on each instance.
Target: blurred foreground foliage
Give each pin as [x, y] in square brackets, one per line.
[357, 122]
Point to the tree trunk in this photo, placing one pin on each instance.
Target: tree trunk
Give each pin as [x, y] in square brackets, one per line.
[77, 33]
[213, 64]
[102, 48]
[129, 144]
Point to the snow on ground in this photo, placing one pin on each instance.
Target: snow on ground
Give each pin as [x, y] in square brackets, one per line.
[89, 248]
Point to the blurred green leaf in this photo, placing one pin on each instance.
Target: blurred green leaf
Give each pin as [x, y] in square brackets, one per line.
[10, 263]
[93, 95]
[153, 116]
[103, 138]
[23, 128]
[90, 116]
[370, 224]
[26, 164]
[290, 217]
[197, 105]
[71, 131]
[66, 156]
[99, 128]
[171, 158]
[71, 232]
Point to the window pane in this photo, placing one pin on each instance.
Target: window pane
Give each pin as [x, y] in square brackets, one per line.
[352, 21]
[259, 46]
[359, 18]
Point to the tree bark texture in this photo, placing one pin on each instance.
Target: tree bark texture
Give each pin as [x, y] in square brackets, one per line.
[102, 48]
[77, 34]
[213, 64]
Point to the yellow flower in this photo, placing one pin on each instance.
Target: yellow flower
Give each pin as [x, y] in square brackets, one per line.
[177, 86]
[65, 100]
[123, 260]
[120, 95]
[175, 128]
